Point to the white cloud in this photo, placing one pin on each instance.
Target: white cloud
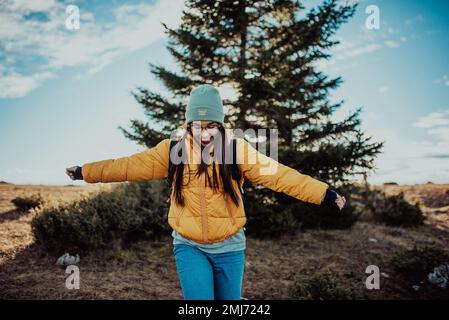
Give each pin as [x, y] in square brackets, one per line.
[415, 20]
[16, 85]
[94, 45]
[361, 43]
[407, 160]
[347, 50]
[410, 161]
[433, 119]
[32, 6]
[370, 47]
[391, 43]
[441, 133]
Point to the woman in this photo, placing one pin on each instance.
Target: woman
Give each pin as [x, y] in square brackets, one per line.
[206, 211]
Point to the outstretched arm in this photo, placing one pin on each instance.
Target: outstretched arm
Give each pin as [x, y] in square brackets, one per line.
[263, 170]
[147, 165]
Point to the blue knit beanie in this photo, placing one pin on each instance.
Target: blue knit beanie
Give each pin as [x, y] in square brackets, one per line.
[205, 104]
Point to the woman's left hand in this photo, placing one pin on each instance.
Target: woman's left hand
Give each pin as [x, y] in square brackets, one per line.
[340, 201]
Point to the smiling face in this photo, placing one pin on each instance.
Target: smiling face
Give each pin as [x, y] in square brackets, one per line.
[206, 130]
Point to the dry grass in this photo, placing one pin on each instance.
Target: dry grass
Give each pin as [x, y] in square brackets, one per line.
[147, 270]
[430, 195]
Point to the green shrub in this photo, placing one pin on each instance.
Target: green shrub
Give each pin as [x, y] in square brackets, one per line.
[264, 222]
[320, 217]
[129, 212]
[395, 210]
[414, 264]
[273, 215]
[323, 285]
[27, 202]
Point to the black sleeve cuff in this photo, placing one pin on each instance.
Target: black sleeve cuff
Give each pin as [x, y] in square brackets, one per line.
[78, 173]
[329, 198]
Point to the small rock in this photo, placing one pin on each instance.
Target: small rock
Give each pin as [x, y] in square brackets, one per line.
[416, 287]
[66, 259]
[440, 276]
[61, 259]
[371, 239]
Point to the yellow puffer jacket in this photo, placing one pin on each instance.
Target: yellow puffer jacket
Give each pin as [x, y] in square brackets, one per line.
[207, 217]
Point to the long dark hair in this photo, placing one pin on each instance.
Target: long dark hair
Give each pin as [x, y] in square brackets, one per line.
[227, 171]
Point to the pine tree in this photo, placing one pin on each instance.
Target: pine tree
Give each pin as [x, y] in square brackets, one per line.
[268, 52]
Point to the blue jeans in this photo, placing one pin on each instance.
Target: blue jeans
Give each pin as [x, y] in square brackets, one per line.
[209, 276]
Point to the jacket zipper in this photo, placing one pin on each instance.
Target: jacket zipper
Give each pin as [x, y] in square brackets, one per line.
[229, 209]
[203, 210]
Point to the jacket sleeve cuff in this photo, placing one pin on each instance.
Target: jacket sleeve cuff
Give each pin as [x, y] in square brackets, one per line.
[329, 198]
[78, 173]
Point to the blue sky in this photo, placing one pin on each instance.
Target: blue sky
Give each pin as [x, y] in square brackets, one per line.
[63, 93]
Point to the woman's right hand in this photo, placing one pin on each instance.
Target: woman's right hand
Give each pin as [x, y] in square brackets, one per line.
[73, 173]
